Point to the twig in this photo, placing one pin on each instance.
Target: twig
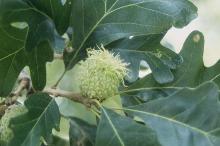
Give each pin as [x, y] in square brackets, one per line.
[88, 102]
[24, 83]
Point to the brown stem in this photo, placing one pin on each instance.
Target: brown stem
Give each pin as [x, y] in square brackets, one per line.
[71, 96]
[23, 84]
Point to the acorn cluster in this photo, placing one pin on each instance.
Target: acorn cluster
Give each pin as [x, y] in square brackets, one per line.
[6, 134]
[101, 74]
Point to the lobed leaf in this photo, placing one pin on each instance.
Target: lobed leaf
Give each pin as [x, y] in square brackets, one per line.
[43, 115]
[117, 130]
[188, 117]
[81, 133]
[59, 11]
[191, 73]
[159, 58]
[98, 22]
[27, 37]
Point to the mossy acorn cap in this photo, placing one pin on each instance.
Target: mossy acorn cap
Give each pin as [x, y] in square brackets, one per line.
[101, 73]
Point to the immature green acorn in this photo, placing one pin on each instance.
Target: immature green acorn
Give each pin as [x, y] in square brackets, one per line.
[6, 134]
[101, 74]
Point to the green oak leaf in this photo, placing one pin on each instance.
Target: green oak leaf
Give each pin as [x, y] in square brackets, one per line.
[98, 22]
[19, 11]
[191, 73]
[117, 130]
[24, 42]
[12, 61]
[159, 58]
[59, 11]
[82, 133]
[189, 117]
[43, 115]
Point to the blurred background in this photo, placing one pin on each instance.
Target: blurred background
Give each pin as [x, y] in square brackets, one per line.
[208, 22]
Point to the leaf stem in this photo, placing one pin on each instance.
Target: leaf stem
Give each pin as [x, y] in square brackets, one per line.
[60, 78]
[95, 112]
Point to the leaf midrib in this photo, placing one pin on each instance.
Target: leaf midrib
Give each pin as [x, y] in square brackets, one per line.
[206, 134]
[114, 129]
[157, 88]
[37, 121]
[106, 14]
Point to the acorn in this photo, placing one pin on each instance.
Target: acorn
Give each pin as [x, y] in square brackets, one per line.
[101, 74]
[6, 134]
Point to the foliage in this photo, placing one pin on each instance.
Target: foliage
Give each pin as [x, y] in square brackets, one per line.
[191, 73]
[177, 104]
[38, 122]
